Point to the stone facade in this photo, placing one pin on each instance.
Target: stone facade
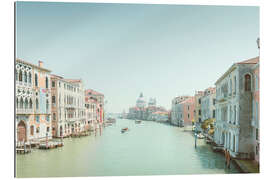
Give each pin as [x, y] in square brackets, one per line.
[68, 111]
[234, 93]
[256, 112]
[183, 108]
[94, 103]
[33, 120]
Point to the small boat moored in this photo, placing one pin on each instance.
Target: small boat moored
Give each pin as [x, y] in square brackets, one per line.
[200, 136]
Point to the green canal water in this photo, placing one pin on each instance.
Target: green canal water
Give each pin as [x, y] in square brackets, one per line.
[149, 148]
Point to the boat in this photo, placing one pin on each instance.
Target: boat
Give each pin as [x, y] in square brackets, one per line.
[124, 130]
[200, 136]
[138, 121]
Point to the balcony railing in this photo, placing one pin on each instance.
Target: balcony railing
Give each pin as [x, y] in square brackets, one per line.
[24, 111]
[21, 83]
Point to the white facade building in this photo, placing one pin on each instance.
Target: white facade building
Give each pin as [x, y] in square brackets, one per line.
[233, 127]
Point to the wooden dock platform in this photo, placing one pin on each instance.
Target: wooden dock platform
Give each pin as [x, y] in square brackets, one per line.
[51, 145]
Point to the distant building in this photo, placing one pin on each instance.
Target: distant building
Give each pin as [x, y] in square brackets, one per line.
[234, 93]
[198, 111]
[97, 100]
[140, 111]
[178, 110]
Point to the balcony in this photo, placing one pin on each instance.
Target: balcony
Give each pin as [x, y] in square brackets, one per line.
[21, 83]
[70, 106]
[24, 111]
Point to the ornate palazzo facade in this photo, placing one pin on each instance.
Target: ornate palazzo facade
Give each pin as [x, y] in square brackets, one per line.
[33, 121]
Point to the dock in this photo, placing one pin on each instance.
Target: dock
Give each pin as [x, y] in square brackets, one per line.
[247, 166]
[51, 145]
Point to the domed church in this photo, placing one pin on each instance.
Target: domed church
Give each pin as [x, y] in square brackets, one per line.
[141, 103]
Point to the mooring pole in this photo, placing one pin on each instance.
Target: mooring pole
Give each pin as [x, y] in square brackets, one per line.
[46, 140]
[195, 133]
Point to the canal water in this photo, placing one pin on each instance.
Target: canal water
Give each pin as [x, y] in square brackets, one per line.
[148, 148]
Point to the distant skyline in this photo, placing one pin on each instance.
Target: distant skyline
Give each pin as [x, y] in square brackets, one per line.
[122, 50]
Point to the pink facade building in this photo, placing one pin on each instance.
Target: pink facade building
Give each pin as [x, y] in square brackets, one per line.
[188, 110]
[94, 107]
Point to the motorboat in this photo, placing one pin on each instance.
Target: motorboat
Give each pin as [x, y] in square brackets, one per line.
[124, 130]
[138, 121]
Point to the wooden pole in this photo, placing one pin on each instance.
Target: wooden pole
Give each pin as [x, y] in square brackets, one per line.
[46, 140]
[24, 146]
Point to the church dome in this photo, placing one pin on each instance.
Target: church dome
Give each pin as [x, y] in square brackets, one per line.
[140, 101]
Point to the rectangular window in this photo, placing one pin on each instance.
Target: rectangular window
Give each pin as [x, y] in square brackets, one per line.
[53, 99]
[37, 119]
[214, 114]
[257, 134]
[234, 114]
[257, 113]
[214, 101]
[235, 85]
[48, 118]
[53, 83]
[200, 112]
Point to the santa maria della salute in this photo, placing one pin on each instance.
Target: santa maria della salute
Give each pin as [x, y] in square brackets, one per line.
[150, 111]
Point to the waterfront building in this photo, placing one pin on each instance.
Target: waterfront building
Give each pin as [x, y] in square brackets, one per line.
[186, 110]
[234, 94]
[198, 110]
[160, 116]
[91, 113]
[140, 111]
[208, 115]
[177, 110]
[256, 112]
[68, 113]
[33, 121]
[141, 103]
[97, 100]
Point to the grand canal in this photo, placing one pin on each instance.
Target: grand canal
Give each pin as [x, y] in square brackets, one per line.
[148, 148]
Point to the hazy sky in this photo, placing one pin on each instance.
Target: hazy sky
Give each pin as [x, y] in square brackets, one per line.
[124, 49]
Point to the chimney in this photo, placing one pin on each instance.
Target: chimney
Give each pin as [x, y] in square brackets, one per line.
[40, 63]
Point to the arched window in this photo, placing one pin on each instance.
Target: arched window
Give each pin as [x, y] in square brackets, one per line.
[25, 76]
[20, 75]
[30, 78]
[30, 104]
[53, 99]
[230, 85]
[16, 74]
[21, 103]
[37, 105]
[47, 104]
[247, 82]
[26, 104]
[47, 83]
[32, 130]
[36, 80]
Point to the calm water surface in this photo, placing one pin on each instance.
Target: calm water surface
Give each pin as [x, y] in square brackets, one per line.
[148, 148]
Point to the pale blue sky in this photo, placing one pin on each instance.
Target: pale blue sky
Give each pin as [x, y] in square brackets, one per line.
[124, 49]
